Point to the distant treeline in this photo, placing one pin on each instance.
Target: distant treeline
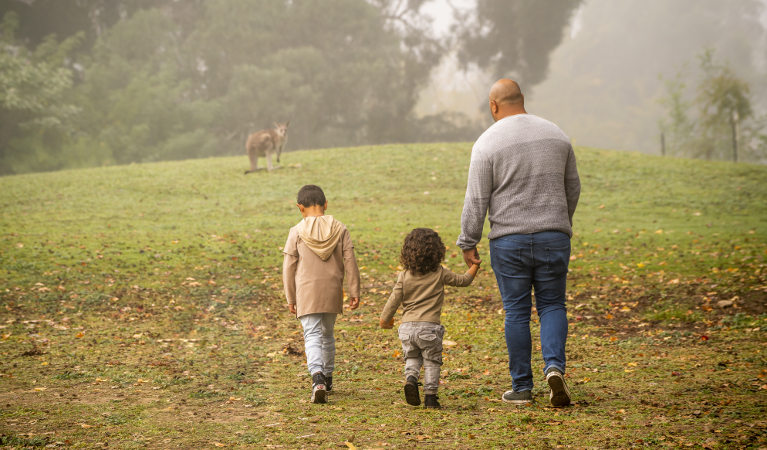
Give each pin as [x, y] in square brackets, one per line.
[95, 83]
[191, 79]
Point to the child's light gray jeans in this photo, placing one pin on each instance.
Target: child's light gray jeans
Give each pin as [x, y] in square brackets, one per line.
[422, 346]
[319, 342]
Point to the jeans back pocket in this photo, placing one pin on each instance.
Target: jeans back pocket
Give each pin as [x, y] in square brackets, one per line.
[429, 336]
[557, 259]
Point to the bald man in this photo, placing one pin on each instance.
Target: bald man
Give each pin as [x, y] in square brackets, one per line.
[523, 176]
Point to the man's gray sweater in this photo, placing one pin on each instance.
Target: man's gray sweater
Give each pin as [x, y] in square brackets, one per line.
[523, 172]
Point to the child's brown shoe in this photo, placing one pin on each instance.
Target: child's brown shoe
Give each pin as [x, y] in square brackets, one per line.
[412, 397]
[431, 401]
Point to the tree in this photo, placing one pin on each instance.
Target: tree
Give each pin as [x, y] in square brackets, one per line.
[43, 18]
[347, 72]
[677, 128]
[723, 100]
[35, 116]
[514, 39]
[603, 85]
[716, 123]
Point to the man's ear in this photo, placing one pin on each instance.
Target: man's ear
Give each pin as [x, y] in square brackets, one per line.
[300, 207]
[326, 205]
[493, 107]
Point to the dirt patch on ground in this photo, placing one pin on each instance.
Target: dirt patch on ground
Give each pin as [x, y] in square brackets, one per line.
[691, 306]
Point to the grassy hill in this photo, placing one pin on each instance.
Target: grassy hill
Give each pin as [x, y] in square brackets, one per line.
[141, 306]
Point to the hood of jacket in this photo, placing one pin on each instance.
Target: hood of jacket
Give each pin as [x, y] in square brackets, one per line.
[321, 234]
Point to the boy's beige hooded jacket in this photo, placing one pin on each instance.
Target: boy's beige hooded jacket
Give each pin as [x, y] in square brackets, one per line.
[318, 255]
[320, 234]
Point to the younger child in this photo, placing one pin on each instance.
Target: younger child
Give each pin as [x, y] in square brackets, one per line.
[420, 288]
[318, 253]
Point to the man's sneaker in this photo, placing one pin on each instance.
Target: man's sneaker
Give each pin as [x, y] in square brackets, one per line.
[328, 383]
[319, 394]
[412, 397]
[518, 398]
[431, 401]
[560, 395]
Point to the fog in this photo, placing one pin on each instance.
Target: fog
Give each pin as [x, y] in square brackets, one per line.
[92, 83]
[606, 80]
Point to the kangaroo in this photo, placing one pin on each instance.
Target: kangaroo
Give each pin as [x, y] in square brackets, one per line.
[265, 143]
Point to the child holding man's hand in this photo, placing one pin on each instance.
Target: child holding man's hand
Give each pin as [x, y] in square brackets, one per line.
[420, 289]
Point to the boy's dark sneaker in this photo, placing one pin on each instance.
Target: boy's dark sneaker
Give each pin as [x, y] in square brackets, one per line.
[328, 383]
[560, 394]
[319, 394]
[412, 397]
[431, 401]
[518, 398]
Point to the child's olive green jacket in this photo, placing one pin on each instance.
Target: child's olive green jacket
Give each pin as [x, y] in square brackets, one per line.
[422, 295]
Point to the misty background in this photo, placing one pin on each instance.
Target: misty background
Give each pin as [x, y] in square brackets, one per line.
[100, 82]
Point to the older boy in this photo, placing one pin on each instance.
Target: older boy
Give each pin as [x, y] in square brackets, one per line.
[318, 253]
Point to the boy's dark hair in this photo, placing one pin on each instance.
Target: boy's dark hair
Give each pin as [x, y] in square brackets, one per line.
[423, 251]
[311, 195]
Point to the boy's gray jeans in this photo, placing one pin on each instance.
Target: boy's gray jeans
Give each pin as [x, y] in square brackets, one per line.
[422, 346]
[319, 342]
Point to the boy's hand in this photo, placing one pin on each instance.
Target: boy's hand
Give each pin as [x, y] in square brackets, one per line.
[292, 308]
[354, 302]
[387, 324]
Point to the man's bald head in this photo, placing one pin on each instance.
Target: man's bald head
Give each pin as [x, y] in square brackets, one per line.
[506, 99]
[506, 91]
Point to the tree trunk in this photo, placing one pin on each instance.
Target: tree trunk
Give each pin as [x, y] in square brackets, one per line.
[734, 125]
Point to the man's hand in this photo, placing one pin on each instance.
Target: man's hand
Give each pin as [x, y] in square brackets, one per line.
[387, 324]
[354, 302]
[471, 256]
[292, 308]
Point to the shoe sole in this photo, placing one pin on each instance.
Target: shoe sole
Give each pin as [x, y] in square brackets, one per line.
[559, 396]
[518, 402]
[319, 396]
[411, 394]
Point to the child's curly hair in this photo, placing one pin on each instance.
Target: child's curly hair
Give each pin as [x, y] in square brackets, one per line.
[423, 251]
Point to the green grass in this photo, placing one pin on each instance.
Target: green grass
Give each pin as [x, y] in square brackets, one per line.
[142, 306]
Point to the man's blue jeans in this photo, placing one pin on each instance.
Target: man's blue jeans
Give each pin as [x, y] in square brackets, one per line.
[523, 262]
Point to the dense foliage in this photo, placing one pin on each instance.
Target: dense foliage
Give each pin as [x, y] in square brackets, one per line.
[171, 81]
